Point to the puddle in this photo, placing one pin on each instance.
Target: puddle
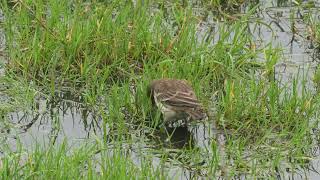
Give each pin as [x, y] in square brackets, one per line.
[52, 124]
[66, 118]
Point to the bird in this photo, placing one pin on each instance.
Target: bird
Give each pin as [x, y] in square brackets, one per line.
[175, 99]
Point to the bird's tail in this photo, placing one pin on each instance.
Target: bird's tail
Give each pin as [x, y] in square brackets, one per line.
[197, 114]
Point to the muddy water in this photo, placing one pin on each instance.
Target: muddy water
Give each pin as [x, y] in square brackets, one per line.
[69, 119]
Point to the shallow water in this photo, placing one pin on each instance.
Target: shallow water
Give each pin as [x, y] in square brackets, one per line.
[67, 118]
[47, 124]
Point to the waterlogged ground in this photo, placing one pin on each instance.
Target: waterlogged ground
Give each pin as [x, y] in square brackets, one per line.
[201, 150]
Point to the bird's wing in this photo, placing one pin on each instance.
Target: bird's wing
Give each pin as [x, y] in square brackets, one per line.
[178, 99]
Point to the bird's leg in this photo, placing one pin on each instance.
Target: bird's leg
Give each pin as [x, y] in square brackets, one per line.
[185, 121]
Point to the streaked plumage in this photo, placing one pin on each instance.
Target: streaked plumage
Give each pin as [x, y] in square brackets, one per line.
[175, 99]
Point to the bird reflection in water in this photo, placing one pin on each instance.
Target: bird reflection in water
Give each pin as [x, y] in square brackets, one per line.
[177, 138]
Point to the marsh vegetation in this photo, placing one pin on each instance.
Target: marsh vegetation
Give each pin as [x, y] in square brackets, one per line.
[73, 78]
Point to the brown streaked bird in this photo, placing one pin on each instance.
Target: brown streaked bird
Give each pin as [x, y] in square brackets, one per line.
[175, 99]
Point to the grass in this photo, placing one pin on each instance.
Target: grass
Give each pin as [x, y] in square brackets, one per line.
[110, 53]
[105, 54]
[265, 106]
[313, 34]
[83, 162]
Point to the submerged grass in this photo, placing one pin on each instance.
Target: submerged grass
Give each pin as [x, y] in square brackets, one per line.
[107, 53]
[90, 161]
[274, 122]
